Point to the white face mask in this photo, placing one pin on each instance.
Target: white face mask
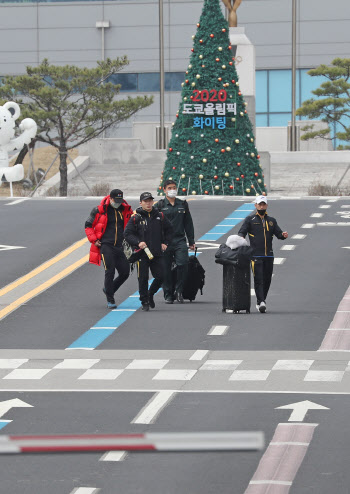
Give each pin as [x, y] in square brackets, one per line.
[171, 193]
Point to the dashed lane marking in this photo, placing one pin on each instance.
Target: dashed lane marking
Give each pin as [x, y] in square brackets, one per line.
[153, 408]
[279, 260]
[308, 225]
[316, 215]
[114, 456]
[218, 330]
[288, 247]
[298, 236]
[324, 206]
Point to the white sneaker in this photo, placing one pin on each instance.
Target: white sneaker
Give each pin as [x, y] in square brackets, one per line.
[257, 307]
[262, 307]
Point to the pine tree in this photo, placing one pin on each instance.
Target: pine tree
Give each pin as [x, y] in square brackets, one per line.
[213, 152]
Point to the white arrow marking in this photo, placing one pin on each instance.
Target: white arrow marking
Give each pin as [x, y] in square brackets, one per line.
[5, 406]
[300, 409]
[10, 247]
[345, 247]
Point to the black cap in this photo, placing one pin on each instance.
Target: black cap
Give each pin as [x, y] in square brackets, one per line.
[146, 195]
[116, 195]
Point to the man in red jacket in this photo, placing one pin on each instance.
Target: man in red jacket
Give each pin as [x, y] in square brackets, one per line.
[105, 230]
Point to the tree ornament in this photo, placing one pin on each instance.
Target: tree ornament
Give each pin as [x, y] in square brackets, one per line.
[174, 167]
[204, 160]
[183, 176]
[185, 98]
[186, 72]
[264, 193]
[217, 60]
[215, 167]
[223, 66]
[256, 174]
[219, 79]
[248, 135]
[258, 156]
[198, 25]
[228, 149]
[206, 192]
[252, 186]
[187, 81]
[260, 166]
[212, 36]
[178, 153]
[216, 140]
[193, 84]
[237, 179]
[227, 174]
[230, 63]
[182, 84]
[252, 155]
[215, 177]
[201, 177]
[184, 189]
[170, 150]
[231, 187]
[194, 192]
[237, 83]
[182, 169]
[223, 30]
[203, 66]
[189, 141]
[239, 93]
[241, 113]
[193, 36]
[200, 56]
[202, 135]
[201, 41]
[198, 76]
[237, 141]
[209, 150]
[217, 187]
[245, 111]
[190, 66]
[238, 164]
[230, 48]
[259, 180]
[220, 48]
[170, 178]
[247, 191]
[159, 188]
[245, 103]
[251, 139]
[192, 157]
[222, 150]
[233, 119]
[192, 50]
[233, 81]
[242, 176]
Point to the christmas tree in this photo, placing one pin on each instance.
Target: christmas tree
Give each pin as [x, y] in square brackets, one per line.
[212, 150]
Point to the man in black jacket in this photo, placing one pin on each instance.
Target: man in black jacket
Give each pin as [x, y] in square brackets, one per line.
[261, 228]
[148, 229]
[178, 213]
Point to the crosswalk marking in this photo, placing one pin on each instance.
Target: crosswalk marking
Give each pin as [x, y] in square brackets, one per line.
[218, 330]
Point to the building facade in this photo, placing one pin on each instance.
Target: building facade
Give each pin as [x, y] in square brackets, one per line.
[66, 33]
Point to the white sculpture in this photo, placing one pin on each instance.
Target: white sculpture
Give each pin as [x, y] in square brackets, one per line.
[8, 115]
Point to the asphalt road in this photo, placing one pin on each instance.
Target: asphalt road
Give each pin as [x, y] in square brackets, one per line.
[235, 382]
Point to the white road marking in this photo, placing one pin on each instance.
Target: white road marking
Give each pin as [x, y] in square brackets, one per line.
[100, 327]
[345, 206]
[85, 490]
[332, 223]
[279, 260]
[124, 310]
[293, 365]
[269, 482]
[308, 225]
[318, 375]
[5, 406]
[288, 247]
[102, 374]
[12, 363]
[249, 375]
[147, 364]
[199, 355]
[316, 215]
[10, 247]
[74, 363]
[252, 292]
[27, 374]
[114, 456]
[174, 375]
[298, 236]
[218, 330]
[221, 364]
[324, 206]
[300, 410]
[332, 200]
[17, 202]
[153, 408]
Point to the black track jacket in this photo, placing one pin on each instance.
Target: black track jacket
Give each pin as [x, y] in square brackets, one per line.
[261, 230]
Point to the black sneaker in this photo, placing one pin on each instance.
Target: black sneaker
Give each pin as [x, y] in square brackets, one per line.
[179, 298]
[145, 307]
[151, 301]
[169, 301]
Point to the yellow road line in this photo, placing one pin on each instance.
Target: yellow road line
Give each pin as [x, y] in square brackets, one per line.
[40, 269]
[32, 293]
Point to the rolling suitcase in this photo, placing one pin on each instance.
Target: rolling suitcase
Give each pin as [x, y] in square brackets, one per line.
[236, 288]
[195, 278]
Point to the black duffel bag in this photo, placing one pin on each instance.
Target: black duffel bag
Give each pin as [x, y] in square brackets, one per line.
[239, 257]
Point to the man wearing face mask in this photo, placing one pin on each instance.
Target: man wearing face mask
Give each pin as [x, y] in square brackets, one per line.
[261, 228]
[178, 213]
[105, 230]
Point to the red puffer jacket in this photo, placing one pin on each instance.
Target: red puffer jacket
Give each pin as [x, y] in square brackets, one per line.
[96, 225]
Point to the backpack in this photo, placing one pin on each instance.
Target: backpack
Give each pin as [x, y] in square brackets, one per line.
[195, 278]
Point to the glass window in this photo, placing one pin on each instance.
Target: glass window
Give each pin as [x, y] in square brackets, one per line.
[280, 90]
[261, 120]
[280, 119]
[127, 81]
[308, 84]
[173, 81]
[261, 90]
[149, 82]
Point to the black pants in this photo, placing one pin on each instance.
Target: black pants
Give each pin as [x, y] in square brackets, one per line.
[143, 267]
[179, 255]
[262, 268]
[114, 259]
